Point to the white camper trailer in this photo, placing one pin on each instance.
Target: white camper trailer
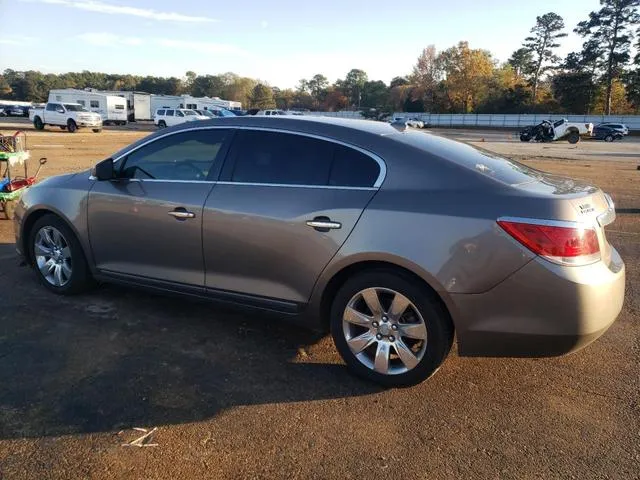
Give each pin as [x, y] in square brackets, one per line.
[192, 103]
[112, 109]
[138, 104]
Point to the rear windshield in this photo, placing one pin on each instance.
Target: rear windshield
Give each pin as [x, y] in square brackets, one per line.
[485, 163]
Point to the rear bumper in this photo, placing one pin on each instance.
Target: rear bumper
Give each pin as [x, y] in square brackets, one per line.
[541, 310]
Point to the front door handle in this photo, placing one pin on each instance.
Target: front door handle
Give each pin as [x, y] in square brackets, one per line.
[181, 214]
[323, 224]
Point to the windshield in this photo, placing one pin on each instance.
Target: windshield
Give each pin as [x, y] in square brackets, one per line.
[73, 107]
[225, 113]
[189, 112]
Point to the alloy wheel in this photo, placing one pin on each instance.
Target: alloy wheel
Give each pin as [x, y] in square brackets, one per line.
[53, 256]
[384, 330]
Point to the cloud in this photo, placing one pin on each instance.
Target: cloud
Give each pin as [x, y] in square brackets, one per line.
[17, 40]
[101, 7]
[108, 39]
[105, 39]
[204, 47]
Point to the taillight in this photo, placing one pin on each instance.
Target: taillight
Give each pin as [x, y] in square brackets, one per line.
[565, 243]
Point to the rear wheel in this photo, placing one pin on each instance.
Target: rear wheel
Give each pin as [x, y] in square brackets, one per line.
[37, 124]
[574, 137]
[57, 256]
[525, 137]
[609, 138]
[71, 126]
[389, 329]
[63, 127]
[97, 130]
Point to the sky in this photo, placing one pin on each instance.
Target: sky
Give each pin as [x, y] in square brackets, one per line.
[277, 41]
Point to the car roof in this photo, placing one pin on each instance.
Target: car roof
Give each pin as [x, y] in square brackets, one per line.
[406, 149]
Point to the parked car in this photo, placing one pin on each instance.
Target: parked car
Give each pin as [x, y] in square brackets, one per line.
[621, 127]
[67, 116]
[411, 122]
[214, 113]
[13, 111]
[168, 117]
[393, 240]
[2, 112]
[270, 113]
[548, 131]
[606, 133]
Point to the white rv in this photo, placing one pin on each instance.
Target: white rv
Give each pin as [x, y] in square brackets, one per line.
[192, 103]
[112, 109]
[138, 104]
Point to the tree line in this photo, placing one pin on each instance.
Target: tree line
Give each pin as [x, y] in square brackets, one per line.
[603, 77]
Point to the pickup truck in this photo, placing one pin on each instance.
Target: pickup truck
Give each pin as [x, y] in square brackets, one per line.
[548, 131]
[68, 116]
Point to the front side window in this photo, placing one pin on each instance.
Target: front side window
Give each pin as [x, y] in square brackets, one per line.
[281, 158]
[52, 107]
[558, 123]
[185, 156]
[179, 113]
[169, 113]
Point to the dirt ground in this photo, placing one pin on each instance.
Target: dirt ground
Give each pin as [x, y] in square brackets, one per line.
[246, 396]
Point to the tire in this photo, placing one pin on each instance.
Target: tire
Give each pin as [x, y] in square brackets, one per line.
[424, 308]
[79, 279]
[63, 127]
[9, 209]
[71, 126]
[573, 138]
[97, 130]
[37, 124]
[609, 138]
[162, 124]
[524, 137]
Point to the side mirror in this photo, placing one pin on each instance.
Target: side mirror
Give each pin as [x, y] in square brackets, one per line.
[104, 170]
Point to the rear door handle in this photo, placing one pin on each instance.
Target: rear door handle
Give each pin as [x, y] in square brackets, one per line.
[181, 213]
[323, 224]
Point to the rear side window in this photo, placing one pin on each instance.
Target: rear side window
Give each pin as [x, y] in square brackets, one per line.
[160, 112]
[281, 158]
[352, 168]
[169, 113]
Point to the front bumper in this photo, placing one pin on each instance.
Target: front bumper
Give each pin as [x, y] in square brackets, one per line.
[89, 123]
[541, 310]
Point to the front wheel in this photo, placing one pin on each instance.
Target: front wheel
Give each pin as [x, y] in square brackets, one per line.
[71, 126]
[525, 137]
[389, 329]
[162, 124]
[58, 257]
[609, 138]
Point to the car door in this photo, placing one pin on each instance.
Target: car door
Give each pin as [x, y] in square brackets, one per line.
[52, 115]
[170, 118]
[284, 205]
[147, 223]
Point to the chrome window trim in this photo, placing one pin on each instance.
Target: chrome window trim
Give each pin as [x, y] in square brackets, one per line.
[296, 185]
[381, 163]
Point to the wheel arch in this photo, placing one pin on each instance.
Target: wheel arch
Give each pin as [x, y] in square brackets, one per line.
[32, 217]
[339, 276]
